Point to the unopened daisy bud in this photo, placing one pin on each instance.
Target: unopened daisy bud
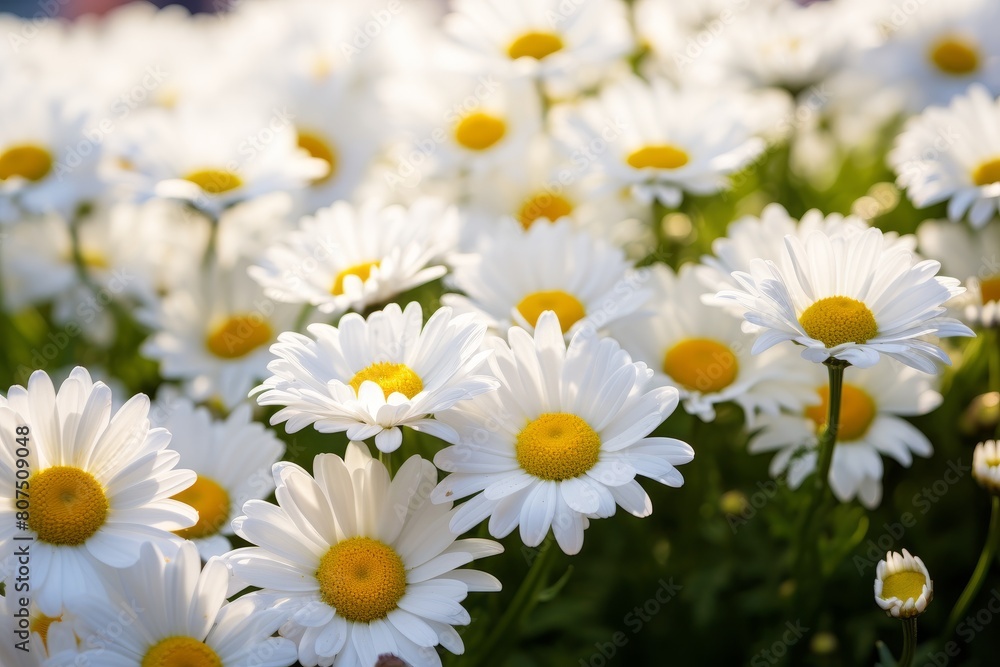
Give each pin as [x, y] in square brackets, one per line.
[986, 466]
[903, 587]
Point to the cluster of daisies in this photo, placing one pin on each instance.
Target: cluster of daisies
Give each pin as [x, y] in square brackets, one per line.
[409, 222]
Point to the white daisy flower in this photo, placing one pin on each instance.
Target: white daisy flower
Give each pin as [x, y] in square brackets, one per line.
[789, 44]
[653, 140]
[933, 54]
[561, 441]
[569, 46]
[210, 159]
[849, 298]
[347, 258]
[459, 122]
[42, 167]
[903, 586]
[549, 186]
[370, 376]
[702, 351]
[519, 274]
[359, 564]
[953, 154]
[213, 332]
[973, 256]
[986, 466]
[763, 237]
[232, 458]
[873, 402]
[100, 484]
[171, 612]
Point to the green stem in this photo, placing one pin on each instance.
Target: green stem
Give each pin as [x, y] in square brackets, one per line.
[386, 460]
[979, 574]
[909, 641]
[500, 640]
[302, 317]
[807, 564]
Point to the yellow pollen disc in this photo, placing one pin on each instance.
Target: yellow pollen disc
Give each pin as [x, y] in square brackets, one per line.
[213, 505]
[663, 156]
[954, 55]
[27, 161]
[701, 364]
[543, 205]
[988, 172]
[903, 585]
[391, 377]
[238, 336]
[857, 412]
[214, 181]
[479, 131]
[319, 148]
[181, 652]
[567, 307]
[557, 446]
[40, 624]
[990, 289]
[535, 45]
[362, 578]
[363, 271]
[67, 505]
[836, 320]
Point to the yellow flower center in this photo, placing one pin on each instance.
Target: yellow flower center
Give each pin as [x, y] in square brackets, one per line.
[543, 205]
[181, 652]
[903, 585]
[557, 446]
[214, 181]
[213, 505]
[954, 55]
[40, 625]
[567, 307]
[390, 377]
[836, 320]
[319, 148]
[661, 156]
[701, 364]
[27, 161]
[362, 578]
[363, 271]
[479, 131]
[989, 288]
[988, 172]
[67, 505]
[238, 336]
[857, 412]
[535, 45]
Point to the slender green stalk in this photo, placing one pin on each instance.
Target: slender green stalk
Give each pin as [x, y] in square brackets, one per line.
[386, 460]
[302, 317]
[500, 641]
[979, 574]
[813, 519]
[909, 641]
